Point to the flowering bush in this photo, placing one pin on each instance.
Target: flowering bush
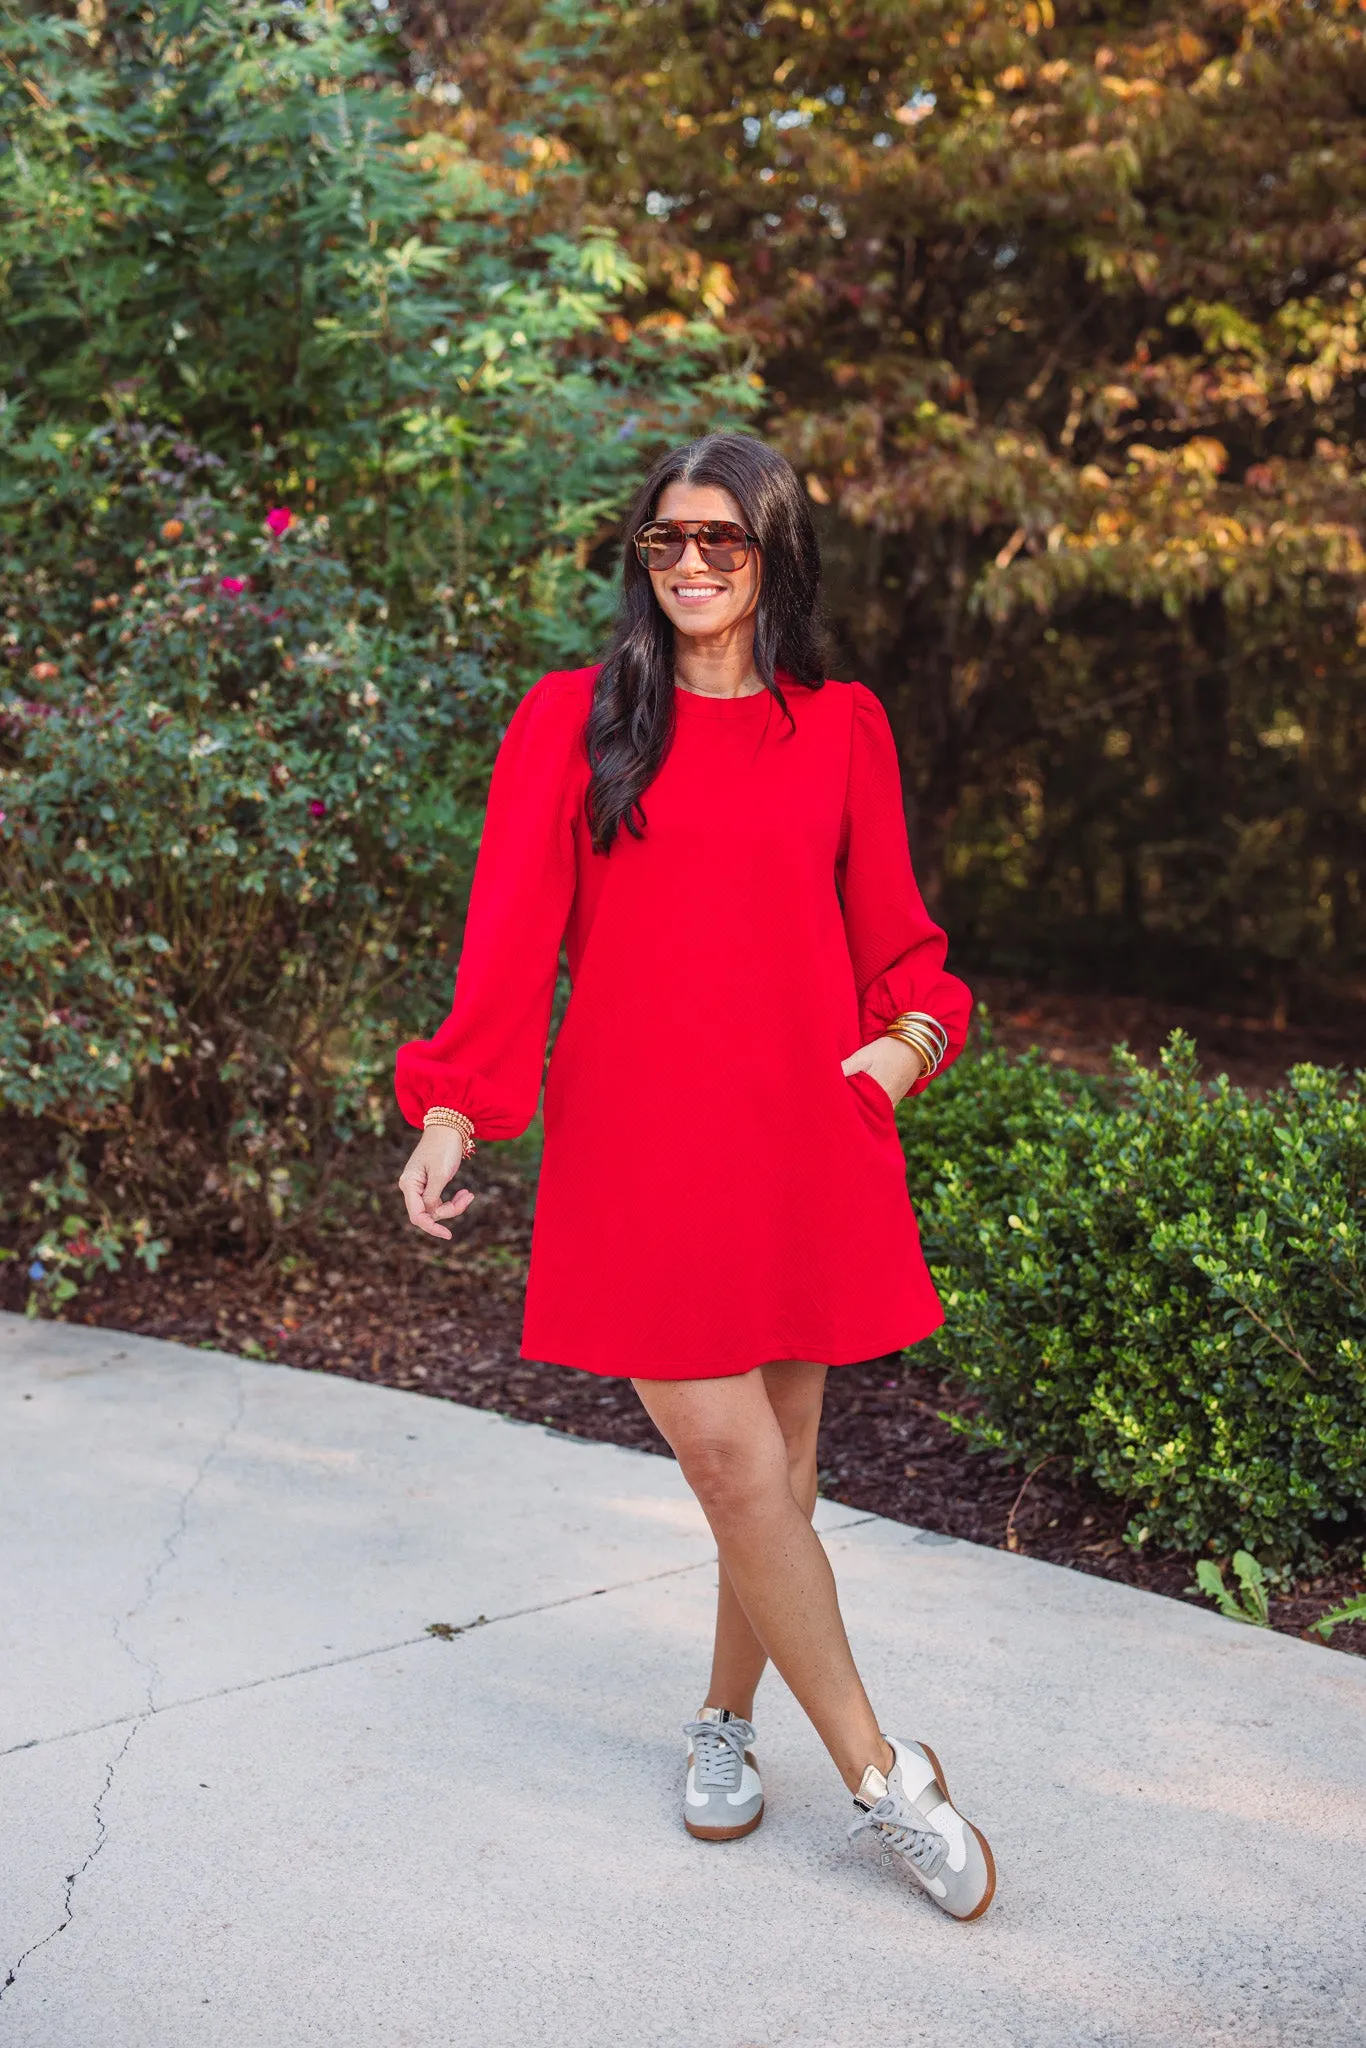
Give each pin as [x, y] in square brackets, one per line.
[1161, 1282]
[78, 1233]
[238, 807]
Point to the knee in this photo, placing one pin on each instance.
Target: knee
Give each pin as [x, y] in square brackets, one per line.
[728, 1477]
[799, 1442]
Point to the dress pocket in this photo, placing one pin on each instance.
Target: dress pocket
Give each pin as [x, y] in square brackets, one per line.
[875, 1102]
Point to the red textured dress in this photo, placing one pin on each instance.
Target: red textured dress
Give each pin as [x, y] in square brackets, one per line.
[714, 1192]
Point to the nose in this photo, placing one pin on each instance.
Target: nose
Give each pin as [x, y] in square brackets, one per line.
[692, 554]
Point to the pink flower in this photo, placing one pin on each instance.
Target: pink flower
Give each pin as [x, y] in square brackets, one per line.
[279, 519]
[317, 809]
[234, 585]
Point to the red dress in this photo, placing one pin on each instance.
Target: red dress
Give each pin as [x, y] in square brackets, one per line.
[714, 1193]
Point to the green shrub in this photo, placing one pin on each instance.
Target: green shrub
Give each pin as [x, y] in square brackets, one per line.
[232, 218]
[239, 805]
[1162, 1281]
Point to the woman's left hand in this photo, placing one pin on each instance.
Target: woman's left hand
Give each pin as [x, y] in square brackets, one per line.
[894, 1066]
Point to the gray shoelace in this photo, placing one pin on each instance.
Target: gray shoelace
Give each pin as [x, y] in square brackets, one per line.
[719, 1752]
[894, 1827]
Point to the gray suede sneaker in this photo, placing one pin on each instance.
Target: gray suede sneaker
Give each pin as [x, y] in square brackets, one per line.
[723, 1798]
[910, 1814]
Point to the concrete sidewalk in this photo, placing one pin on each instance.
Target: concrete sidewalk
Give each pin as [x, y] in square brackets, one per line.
[246, 1800]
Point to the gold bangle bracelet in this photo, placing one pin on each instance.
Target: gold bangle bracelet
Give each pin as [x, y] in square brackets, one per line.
[916, 1034]
[925, 1033]
[929, 1055]
[921, 1021]
[439, 1118]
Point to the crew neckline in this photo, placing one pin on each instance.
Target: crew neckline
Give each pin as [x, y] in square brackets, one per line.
[683, 695]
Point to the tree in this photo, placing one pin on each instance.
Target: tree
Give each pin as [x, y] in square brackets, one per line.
[237, 221]
[1060, 312]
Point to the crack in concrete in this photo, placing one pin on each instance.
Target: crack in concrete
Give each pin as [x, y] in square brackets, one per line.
[170, 1547]
[465, 1628]
[73, 1877]
[171, 1542]
[360, 1656]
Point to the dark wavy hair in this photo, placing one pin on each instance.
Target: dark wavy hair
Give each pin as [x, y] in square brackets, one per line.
[631, 723]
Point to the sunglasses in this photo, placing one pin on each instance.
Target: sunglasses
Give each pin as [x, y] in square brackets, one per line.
[720, 542]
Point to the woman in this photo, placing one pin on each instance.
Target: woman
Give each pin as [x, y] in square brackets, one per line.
[716, 835]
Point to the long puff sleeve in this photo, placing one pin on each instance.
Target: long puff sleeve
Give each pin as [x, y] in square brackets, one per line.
[488, 1057]
[896, 947]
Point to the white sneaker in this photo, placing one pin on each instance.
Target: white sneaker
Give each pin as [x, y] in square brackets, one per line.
[723, 1798]
[911, 1815]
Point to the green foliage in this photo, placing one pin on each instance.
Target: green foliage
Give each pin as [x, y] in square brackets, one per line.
[1250, 1603]
[86, 1239]
[1351, 1610]
[235, 220]
[1163, 1282]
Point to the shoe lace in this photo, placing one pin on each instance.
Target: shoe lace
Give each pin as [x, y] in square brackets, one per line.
[898, 1834]
[719, 1752]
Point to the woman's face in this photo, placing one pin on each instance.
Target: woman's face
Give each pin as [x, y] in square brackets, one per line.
[697, 600]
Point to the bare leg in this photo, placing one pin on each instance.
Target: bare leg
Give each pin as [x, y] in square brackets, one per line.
[729, 1442]
[795, 1391]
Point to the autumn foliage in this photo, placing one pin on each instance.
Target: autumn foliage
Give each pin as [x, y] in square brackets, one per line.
[1059, 309]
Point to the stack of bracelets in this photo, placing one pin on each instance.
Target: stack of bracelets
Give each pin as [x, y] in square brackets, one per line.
[452, 1120]
[925, 1034]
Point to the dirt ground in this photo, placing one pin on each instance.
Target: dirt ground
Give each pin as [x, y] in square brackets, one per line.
[372, 1299]
[1079, 1031]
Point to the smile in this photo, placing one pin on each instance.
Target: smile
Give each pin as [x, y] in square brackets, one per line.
[697, 593]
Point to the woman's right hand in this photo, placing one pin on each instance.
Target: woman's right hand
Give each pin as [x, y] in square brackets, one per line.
[437, 1158]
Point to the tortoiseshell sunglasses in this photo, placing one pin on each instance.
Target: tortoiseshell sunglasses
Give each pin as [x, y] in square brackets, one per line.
[720, 542]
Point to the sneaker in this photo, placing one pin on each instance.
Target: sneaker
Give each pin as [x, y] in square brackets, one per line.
[910, 1813]
[724, 1798]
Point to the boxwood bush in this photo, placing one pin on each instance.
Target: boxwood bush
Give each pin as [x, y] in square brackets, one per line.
[1163, 1282]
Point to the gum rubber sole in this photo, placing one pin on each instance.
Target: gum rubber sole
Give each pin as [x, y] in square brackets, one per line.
[982, 1841]
[727, 1834]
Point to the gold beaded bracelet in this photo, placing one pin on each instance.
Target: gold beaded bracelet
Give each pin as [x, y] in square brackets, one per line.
[452, 1120]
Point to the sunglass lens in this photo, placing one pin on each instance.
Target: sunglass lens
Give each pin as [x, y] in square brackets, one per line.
[661, 546]
[722, 544]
